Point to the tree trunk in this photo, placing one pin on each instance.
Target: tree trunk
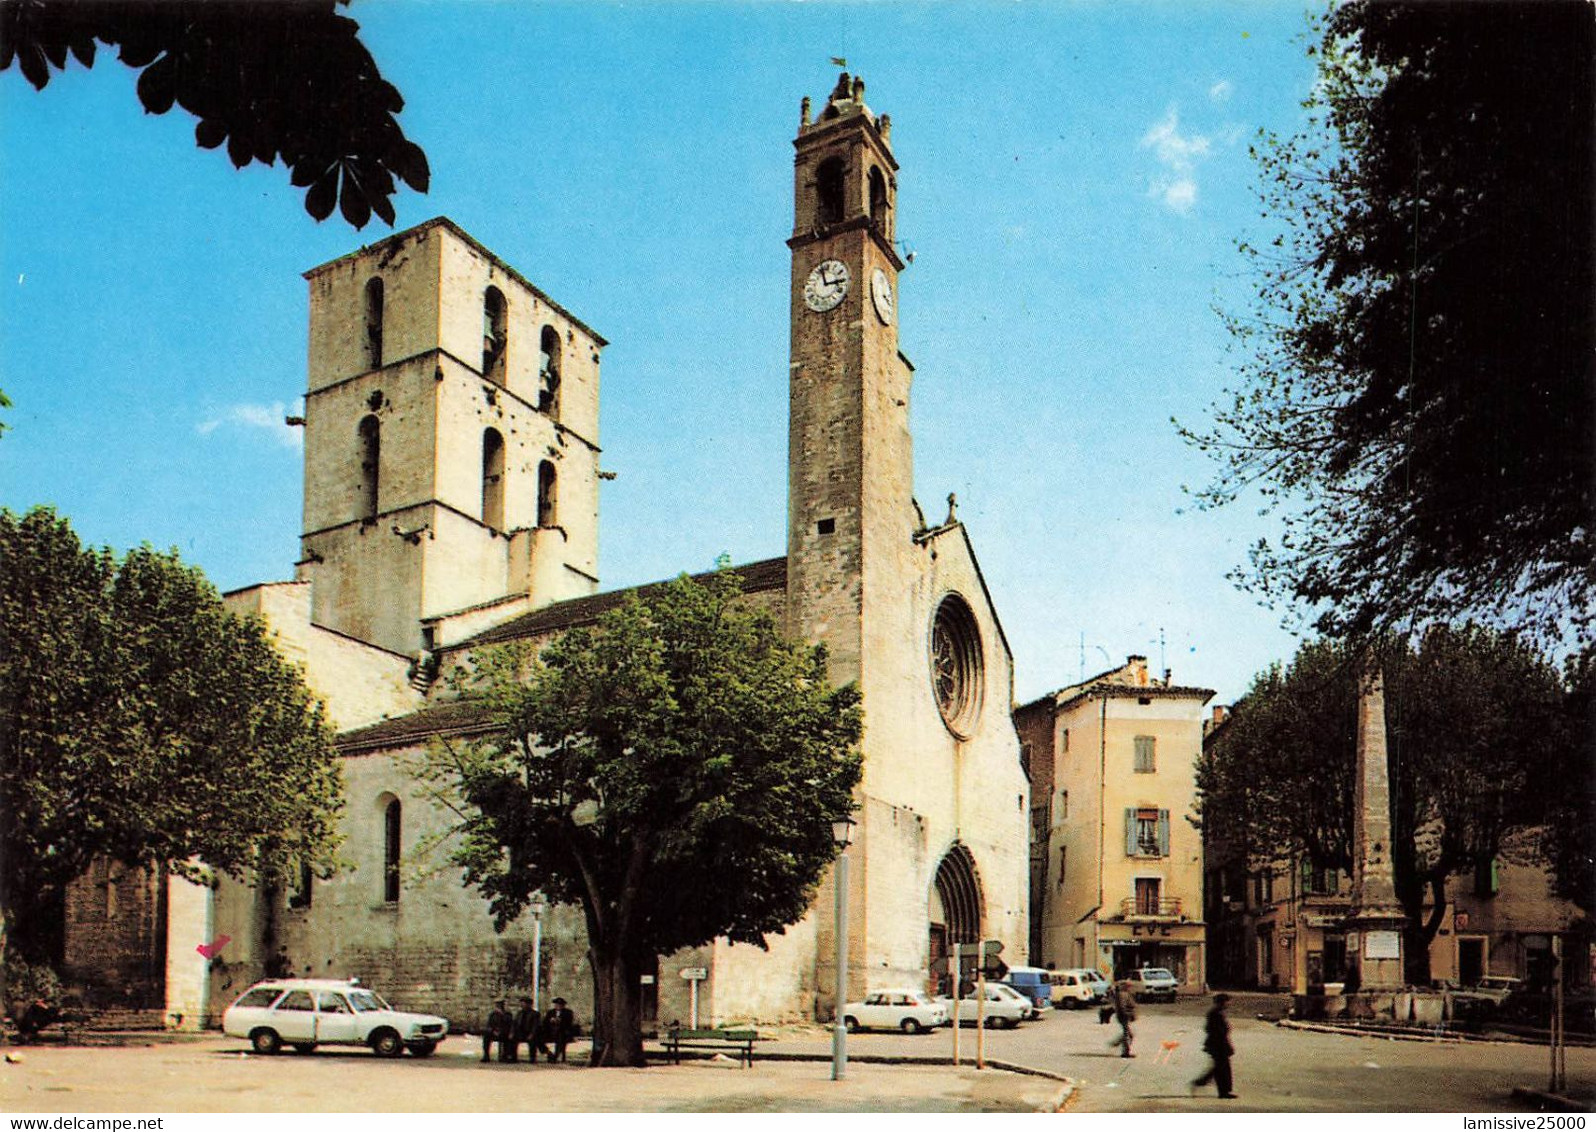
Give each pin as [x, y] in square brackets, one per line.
[5, 972]
[617, 1006]
[1420, 930]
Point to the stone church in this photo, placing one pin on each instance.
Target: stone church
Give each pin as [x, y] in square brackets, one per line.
[451, 501]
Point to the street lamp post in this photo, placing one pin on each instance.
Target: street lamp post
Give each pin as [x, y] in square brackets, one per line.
[841, 834]
[539, 905]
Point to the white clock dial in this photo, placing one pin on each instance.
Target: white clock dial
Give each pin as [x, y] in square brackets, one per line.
[827, 285]
[881, 294]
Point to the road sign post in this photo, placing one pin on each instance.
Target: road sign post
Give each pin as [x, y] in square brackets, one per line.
[694, 976]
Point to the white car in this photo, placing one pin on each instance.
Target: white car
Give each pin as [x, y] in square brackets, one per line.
[1005, 1007]
[1079, 987]
[1152, 983]
[908, 1010]
[306, 1013]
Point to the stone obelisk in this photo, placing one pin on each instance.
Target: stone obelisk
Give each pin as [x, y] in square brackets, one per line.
[1375, 918]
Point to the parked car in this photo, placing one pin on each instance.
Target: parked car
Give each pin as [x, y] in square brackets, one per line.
[1005, 1007]
[1078, 988]
[1034, 983]
[306, 1013]
[1151, 984]
[911, 1011]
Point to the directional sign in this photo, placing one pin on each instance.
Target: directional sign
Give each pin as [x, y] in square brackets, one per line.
[693, 974]
[991, 948]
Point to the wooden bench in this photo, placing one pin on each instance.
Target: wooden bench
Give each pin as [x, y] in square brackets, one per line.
[720, 1041]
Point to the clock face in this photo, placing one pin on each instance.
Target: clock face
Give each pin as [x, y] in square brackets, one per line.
[827, 285]
[881, 295]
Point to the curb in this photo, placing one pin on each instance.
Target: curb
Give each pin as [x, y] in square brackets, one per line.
[1394, 1035]
[1550, 1100]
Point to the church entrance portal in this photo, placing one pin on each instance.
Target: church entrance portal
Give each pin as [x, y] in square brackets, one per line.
[955, 912]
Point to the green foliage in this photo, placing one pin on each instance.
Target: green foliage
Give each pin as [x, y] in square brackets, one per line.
[140, 720]
[32, 982]
[674, 770]
[1475, 718]
[1569, 841]
[1416, 393]
[287, 80]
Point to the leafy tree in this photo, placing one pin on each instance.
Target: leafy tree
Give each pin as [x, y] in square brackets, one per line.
[1474, 720]
[288, 79]
[674, 771]
[141, 721]
[1570, 834]
[1416, 395]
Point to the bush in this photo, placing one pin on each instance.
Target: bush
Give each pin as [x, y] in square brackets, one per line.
[30, 982]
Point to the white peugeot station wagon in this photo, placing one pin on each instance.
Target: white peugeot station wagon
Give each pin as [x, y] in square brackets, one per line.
[306, 1013]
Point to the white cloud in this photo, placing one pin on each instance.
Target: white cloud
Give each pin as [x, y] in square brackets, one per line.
[1179, 154]
[1220, 91]
[267, 418]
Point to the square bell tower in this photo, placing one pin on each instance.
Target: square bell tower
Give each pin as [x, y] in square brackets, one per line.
[451, 439]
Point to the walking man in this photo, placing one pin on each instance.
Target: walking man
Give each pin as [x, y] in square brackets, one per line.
[1124, 1014]
[559, 1026]
[497, 1030]
[526, 1028]
[1216, 1044]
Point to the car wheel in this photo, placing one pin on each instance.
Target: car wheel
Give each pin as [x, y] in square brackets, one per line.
[1011, 1023]
[265, 1040]
[422, 1049]
[910, 1026]
[387, 1043]
[304, 1047]
[851, 1024]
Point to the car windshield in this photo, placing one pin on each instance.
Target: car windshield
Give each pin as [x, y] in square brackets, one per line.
[365, 1000]
[1156, 973]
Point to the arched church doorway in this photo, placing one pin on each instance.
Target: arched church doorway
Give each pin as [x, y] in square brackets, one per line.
[955, 912]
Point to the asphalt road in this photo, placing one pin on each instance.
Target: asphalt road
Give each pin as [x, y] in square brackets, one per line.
[1276, 1069]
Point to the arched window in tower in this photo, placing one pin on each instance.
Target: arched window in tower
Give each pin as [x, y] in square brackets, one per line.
[374, 322]
[880, 212]
[495, 336]
[391, 829]
[829, 196]
[546, 494]
[493, 479]
[549, 371]
[370, 461]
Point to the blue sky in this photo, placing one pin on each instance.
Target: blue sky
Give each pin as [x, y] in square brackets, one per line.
[1073, 179]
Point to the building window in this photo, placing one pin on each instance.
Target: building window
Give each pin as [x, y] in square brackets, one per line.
[370, 461]
[1487, 877]
[829, 195]
[1063, 804]
[879, 211]
[493, 479]
[1318, 882]
[495, 337]
[1064, 741]
[301, 896]
[1063, 860]
[547, 494]
[1146, 832]
[391, 819]
[956, 665]
[1147, 896]
[549, 371]
[374, 322]
[1146, 755]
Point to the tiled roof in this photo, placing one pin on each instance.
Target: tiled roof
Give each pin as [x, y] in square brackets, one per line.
[407, 730]
[770, 574]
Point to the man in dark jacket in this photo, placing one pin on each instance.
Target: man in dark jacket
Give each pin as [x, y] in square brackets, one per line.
[497, 1030]
[559, 1027]
[1216, 1044]
[1124, 1002]
[526, 1028]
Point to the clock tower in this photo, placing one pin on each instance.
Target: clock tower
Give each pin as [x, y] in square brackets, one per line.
[850, 466]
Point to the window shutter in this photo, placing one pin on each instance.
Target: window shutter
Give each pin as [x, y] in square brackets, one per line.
[1163, 833]
[1130, 832]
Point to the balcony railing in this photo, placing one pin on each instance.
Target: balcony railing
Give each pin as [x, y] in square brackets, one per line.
[1164, 908]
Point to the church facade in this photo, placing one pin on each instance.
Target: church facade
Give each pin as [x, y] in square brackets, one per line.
[451, 502]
